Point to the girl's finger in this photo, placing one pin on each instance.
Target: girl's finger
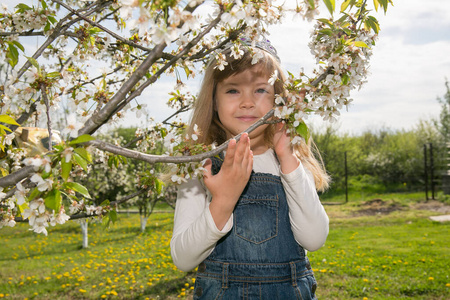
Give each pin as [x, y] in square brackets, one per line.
[208, 165]
[229, 155]
[241, 148]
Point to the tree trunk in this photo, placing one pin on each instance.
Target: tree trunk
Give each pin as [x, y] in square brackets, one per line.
[143, 222]
[84, 233]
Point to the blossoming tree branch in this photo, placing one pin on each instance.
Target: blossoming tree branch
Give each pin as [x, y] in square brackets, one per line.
[136, 43]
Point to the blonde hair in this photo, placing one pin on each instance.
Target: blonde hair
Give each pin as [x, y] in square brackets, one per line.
[210, 127]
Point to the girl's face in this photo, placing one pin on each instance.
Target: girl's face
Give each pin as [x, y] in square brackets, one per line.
[241, 100]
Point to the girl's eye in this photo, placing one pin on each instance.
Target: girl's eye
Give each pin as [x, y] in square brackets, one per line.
[261, 91]
[232, 91]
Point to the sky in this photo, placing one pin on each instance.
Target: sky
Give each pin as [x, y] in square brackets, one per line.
[408, 68]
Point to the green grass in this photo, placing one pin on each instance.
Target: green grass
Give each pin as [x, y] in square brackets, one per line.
[120, 263]
[400, 255]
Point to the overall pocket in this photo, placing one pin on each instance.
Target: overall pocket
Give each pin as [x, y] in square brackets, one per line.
[306, 286]
[208, 289]
[256, 218]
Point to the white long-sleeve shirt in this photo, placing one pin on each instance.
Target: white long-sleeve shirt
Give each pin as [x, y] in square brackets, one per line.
[195, 233]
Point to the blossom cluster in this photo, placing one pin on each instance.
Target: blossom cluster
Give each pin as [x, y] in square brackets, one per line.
[343, 59]
[40, 218]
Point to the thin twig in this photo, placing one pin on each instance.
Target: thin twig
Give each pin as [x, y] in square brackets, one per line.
[95, 24]
[49, 119]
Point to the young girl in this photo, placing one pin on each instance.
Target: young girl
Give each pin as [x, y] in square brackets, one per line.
[247, 224]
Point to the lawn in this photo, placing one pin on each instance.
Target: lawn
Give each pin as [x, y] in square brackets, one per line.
[379, 249]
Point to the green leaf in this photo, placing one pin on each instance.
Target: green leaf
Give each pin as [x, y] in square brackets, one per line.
[34, 62]
[158, 186]
[18, 45]
[360, 44]
[53, 74]
[47, 27]
[80, 161]
[111, 161]
[345, 4]
[372, 23]
[78, 188]
[3, 128]
[12, 54]
[330, 5]
[22, 7]
[303, 131]
[82, 139]
[84, 154]
[34, 194]
[326, 31]
[52, 19]
[113, 216]
[376, 4]
[23, 206]
[8, 120]
[66, 167]
[53, 200]
[4, 172]
[384, 4]
[94, 30]
[345, 79]
[312, 4]
[325, 21]
[187, 71]
[105, 203]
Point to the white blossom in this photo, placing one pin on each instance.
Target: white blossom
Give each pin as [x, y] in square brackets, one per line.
[73, 126]
[42, 184]
[221, 62]
[236, 14]
[21, 194]
[273, 77]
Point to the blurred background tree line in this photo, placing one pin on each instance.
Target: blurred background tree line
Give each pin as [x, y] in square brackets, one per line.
[384, 160]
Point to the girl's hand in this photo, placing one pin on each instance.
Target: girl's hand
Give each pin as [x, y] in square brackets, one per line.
[283, 148]
[227, 185]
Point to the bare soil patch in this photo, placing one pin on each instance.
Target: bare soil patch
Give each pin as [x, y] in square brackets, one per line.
[378, 207]
[381, 207]
[433, 205]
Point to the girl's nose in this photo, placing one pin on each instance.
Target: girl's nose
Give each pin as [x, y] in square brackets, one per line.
[247, 101]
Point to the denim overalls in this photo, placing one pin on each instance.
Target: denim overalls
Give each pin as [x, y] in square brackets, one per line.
[259, 258]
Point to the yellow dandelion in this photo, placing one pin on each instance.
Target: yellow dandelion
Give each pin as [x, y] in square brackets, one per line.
[430, 278]
[366, 280]
[82, 291]
[447, 285]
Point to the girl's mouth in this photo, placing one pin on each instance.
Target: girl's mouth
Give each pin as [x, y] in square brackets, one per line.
[247, 118]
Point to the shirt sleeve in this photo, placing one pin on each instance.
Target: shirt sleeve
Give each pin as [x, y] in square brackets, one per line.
[194, 234]
[308, 218]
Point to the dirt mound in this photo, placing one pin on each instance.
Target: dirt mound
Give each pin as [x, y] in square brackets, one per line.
[433, 205]
[378, 207]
